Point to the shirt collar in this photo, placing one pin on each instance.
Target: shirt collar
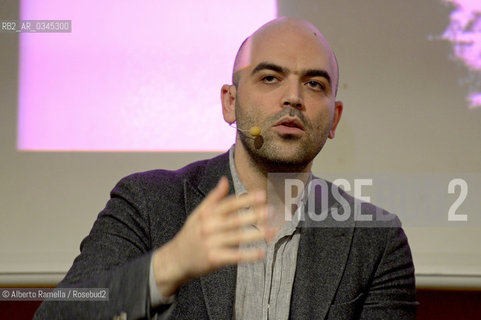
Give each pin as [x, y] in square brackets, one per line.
[238, 186]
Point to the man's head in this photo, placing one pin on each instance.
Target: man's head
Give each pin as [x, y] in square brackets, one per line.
[243, 54]
[285, 82]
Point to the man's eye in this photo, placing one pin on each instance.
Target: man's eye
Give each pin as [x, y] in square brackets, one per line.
[316, 85]
[269, 79]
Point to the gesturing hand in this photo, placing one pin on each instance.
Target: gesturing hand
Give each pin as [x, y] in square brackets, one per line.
[211, 236]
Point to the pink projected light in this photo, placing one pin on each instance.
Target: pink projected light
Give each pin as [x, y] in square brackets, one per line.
[464, 31]
[138, 76]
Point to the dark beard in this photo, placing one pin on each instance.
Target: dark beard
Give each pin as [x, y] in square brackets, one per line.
[264, 154]
[269, 163]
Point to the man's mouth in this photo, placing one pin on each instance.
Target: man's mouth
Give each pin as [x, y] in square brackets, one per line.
[289, 125]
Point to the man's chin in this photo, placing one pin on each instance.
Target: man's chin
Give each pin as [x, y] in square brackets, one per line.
[287, 160]
[284, 154]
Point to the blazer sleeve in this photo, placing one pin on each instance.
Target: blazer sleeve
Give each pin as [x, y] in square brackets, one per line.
[391, 294]
[115, 255]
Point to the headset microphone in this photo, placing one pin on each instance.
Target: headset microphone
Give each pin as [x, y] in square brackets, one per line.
[255, 133]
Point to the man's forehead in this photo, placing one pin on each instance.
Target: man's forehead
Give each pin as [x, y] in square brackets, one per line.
[297, 37]
[290, 51]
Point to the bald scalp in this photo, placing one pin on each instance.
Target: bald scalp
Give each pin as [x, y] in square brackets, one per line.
[242, 59]
[237, 62]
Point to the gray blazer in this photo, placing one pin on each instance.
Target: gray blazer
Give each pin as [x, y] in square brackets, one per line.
[347, 272]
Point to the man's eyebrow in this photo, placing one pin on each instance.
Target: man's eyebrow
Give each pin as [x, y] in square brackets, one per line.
[308, 73]
[268, 66]
[318, 73]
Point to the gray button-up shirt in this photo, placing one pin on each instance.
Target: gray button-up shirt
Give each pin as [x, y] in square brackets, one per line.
[263, 289]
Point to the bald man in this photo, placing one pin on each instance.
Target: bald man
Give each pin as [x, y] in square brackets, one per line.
[197, 243]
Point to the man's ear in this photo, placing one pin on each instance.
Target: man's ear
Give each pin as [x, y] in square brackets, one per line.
[228, 96]
[338, 106]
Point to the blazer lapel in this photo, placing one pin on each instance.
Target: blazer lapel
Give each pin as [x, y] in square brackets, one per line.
[321, 260]
[218, 287]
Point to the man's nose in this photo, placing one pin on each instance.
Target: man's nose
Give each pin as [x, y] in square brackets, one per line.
[293, 95]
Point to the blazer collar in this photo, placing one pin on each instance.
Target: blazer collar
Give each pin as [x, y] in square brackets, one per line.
[214, 170]
[321, 259]
[218, 287]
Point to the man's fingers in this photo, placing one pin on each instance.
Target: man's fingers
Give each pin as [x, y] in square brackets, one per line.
[233, 204]
[258, 216]
[215, 195]
[235, 256]
[235, 238]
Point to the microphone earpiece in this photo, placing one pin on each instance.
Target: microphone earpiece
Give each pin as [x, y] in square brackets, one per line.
[253, 131]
